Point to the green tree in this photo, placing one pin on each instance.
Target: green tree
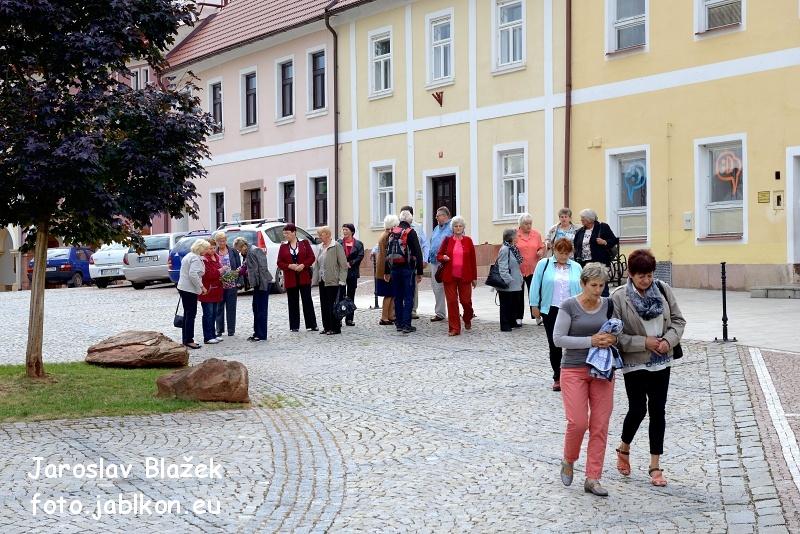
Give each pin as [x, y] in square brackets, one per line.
[82, 156]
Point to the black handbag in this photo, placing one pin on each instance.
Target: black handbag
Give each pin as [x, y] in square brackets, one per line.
[438, 274]
[677, 350]
[177, 321]
[343, 307]
[494, 279]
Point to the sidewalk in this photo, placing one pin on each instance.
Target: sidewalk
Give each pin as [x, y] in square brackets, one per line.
[763, 323]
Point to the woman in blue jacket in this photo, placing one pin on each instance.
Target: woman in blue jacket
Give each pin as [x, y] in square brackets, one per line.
[555, 280]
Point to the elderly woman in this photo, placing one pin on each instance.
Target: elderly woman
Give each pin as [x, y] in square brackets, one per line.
[509, 259]
[295, 259]
[556, 279]
[211, 299]
[652, 328]
[231, 261]
[564, 228]
[404, 265]
[588, 400]
[593, 241]
[190, 285]
[260, 279]
[331, 270]
[532, 248]
[382, 287]
[354, 251]
[459, 275]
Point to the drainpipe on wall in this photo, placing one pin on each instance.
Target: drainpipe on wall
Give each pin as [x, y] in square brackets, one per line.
[335, 116]
[568, 102]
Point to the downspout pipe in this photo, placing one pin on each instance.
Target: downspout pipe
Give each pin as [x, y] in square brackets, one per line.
[568, 102]
[335, 226]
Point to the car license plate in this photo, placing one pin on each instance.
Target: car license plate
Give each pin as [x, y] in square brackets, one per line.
[109, 271]
[148, 259]
[50, 269]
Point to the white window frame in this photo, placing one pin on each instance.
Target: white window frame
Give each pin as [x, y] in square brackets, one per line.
[432, 19]
[210, 105]
[498, 68]
[374, 191]
[499, 151]
[311, 194]
[212, 208]
[135, 77]
[612, 24]
[279, 194]
[144, 77]
[701, 166]
[613, 158]
[701, 30]
[378, 35]
[279, 120]
[310, 111]
[243, 73]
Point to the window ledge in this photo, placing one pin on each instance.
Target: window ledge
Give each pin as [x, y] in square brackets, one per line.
[506, 220]
[632, 240]
[377, 227]
[248, 129]
[284, 120]
[440, 83]
[621, 52]
[216, 136]
[722, 237]
[506, 69]
[317, 113]
[383, 94]
[719, 29]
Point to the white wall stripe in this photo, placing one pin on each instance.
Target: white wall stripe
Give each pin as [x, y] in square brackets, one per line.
[409, 37]
[473, 123]
[791, 452]
[549, 134]
[354, 126]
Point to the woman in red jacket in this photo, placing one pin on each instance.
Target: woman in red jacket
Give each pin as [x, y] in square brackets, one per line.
[459, 276]
[295, 258]
[212, 296]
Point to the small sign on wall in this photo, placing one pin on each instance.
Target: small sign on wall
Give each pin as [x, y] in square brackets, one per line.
[763, 197]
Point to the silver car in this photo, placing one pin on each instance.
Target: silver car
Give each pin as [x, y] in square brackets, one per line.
[150, 266]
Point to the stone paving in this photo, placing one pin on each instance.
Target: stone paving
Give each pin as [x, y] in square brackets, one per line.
[376, 431]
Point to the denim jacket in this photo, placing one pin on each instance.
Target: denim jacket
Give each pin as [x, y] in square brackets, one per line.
[440, 231]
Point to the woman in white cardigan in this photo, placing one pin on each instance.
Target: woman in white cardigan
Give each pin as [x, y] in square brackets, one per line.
[190, 284]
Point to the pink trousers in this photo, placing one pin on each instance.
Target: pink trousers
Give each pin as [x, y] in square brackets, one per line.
[587, 405]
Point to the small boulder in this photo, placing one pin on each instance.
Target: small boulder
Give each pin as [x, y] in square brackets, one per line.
[138, 349]
[212, 380]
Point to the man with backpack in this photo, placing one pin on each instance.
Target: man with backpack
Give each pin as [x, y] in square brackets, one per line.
[403, 269]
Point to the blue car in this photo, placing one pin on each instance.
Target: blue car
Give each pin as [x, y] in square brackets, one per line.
[181, 249]
[66, 265]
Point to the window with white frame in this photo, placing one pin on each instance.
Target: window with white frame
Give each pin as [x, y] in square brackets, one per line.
[714, 14]
[145, 77]
[249, 100]
[285, 89]
[135, 79]
[628, 192]
[722, 188]
[216, 107]
[510, 32]
[383, 203]
[628, 24]
[512, 183]
[381, 63]
[440, 48]
[316, 76]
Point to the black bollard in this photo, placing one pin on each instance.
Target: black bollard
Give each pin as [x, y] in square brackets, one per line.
[374, 278]
[724, 308]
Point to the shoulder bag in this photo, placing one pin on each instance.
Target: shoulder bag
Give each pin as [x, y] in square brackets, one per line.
[494, 279]
[440, 266]
[177, 321]
[677, 350]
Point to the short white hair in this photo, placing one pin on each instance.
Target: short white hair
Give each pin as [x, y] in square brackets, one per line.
[458, 219]
[588, 214]
[200, 246]
[240, 242]
[390, 221]
[525, 217]
[406, 216]
[219, 233]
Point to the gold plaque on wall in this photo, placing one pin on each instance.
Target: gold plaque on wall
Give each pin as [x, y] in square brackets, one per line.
[763, 197]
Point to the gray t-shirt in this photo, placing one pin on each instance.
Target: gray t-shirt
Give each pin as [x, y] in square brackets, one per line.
[574, 329]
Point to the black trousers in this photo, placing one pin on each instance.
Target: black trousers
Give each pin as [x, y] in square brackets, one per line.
[189, 302]
[352, 284]
[526, 290]
[647, 391]
[556, 353]
[327, 298]
[509, 309]
[293, 296]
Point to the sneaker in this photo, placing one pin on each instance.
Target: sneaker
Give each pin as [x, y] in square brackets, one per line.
[539, 321]
[312, 329]
[409, 329]
[350, 323]
[211, 341]
[593, 486]
[567, 472]
[436, 319]
[219, 339]
[296, 329]
[414, 316]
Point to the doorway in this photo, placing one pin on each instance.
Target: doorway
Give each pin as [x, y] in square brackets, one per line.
[792, 204]
[443, 193]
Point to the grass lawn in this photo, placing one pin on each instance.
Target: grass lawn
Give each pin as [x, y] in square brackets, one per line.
[75, 390]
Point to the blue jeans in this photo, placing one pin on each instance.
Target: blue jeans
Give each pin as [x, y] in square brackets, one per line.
[227, 307]
[260, 312]
[403, 281]
[209, 317]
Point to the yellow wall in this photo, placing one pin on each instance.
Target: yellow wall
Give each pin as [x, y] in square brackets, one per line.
[384, 148]
[453, 143]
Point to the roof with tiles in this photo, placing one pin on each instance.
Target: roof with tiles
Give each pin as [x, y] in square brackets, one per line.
[241, 22]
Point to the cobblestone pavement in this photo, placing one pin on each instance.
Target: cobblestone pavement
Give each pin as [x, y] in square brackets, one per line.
[377, 431]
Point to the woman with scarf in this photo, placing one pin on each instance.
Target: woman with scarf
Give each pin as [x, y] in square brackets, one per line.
[295, 260]
[653, 326]
[509, 260]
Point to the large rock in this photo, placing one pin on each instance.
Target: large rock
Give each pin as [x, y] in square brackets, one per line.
[212, 380]
[138, 349]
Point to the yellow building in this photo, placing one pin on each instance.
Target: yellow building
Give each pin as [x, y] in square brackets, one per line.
[682, 129]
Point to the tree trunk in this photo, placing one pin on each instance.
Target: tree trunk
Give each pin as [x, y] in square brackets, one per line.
[33, 357]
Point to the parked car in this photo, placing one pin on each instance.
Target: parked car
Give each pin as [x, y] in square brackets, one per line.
[151, 265]
[105, 265]
[66, 265]
[266, 234]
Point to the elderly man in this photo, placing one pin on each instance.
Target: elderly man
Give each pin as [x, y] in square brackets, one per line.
[440, 232]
